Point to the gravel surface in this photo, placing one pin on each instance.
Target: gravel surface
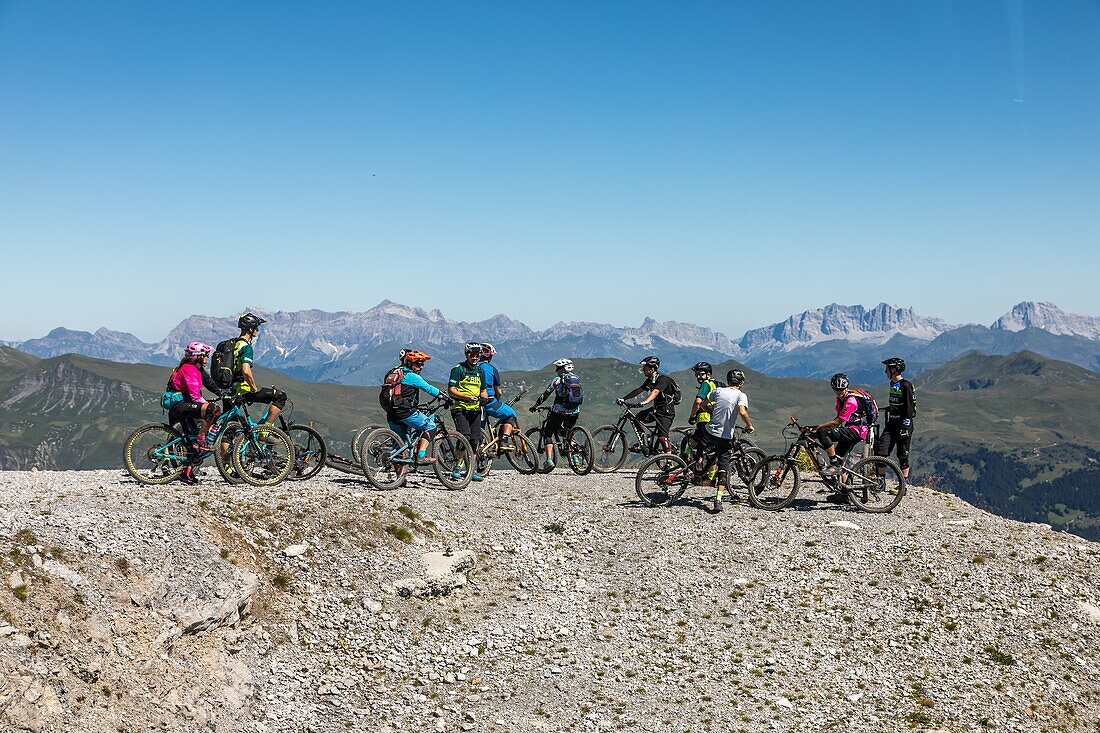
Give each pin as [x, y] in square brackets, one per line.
[550, 602]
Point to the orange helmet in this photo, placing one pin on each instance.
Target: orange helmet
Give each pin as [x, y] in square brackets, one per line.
[412, 356]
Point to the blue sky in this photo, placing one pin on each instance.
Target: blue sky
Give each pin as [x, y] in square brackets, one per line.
[720, 163]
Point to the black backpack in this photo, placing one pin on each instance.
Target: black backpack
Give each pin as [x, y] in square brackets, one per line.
[676, 397]
[221, 363]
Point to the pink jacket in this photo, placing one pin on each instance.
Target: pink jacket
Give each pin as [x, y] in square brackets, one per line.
[846, 410]
[187, 378]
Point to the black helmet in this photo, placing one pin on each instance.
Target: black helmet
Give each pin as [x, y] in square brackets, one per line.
[839, 381]
[703, 366]
[895, 364]
[651, 361]
[735, 377]
[249, 322]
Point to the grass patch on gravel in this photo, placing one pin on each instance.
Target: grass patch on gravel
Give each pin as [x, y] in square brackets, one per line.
[999, 657]
[554, 528]
[398, 532]
[281, 581]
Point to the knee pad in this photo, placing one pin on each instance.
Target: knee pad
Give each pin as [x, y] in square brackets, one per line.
[278, 398]
[213, 410]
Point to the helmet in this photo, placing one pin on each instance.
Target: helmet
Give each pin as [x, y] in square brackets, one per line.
[564, 365]
[249, 322]
[472, 348]
[735, 377]
[839, 381]
[488, 350]
[195, 349]
[651, 361]
[703, 366]
[401, 356]
[895, 364]
[412, 356]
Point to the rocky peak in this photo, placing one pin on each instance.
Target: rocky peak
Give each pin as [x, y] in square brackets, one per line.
[1048, 317]
[849, 322]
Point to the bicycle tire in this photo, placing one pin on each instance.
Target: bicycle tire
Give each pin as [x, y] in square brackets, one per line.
[579, 454]
[263, 456]
[447, 447]
[145, 463]
[357, 440]
[525, 458]
[871, 493]
[225, 439]
[774, 483]
[379, 447]
[609, 449]
[661, 479]
[744, 463]
[310, 452]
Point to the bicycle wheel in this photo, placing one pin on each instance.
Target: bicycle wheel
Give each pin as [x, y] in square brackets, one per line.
[378, 450]
[453, 466]
[578, 447]
[774, 483]
[525, 458]
[661, 479]
[744, 463]
[310, 452]
[609, 448]
[155, 454]
[686, 449]
[222, 445]
[263, 456]
[874, 484]
[357, 441]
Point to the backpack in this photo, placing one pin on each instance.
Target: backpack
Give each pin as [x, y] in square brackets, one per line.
[571, 391]
[221, 363]
[392, 390]
[676, 396]
[171, 395]
[868, 408]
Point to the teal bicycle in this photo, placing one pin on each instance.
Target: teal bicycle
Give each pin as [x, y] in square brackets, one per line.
[387, 458]
[257, 454]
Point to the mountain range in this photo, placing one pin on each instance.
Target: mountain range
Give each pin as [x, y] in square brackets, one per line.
[357, 348]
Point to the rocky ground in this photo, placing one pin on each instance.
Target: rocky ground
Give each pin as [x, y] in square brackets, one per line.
[527, 604]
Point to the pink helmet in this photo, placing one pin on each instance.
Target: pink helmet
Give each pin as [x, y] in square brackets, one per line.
[196, 349]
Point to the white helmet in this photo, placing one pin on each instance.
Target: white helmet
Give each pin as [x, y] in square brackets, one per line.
[564, 365]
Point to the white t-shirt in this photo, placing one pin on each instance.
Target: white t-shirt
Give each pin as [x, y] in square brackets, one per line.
[727, 408]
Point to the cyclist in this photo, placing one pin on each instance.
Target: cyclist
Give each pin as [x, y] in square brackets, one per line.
[840, 435]
[189, 379]
[659, 390]
[400, 398]
[467, 388]
[700, 409]
[496, 409]
[727, 404]
[244, 382]
[565, 411]
[899, 415]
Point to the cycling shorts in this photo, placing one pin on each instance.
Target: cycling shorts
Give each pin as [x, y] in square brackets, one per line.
[417, 422]
[499, 411]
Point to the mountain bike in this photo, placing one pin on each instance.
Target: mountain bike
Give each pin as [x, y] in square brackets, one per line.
[745, 453]
[577, 445]
[610, 442]
[520, 454]
[157, 453]
[662, 479]
[874, 484]
[387, 458]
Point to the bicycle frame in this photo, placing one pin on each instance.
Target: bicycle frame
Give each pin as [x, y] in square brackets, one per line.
[640, 429]
[237, 413]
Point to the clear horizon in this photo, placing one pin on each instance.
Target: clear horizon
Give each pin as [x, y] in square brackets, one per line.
[723, 165]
